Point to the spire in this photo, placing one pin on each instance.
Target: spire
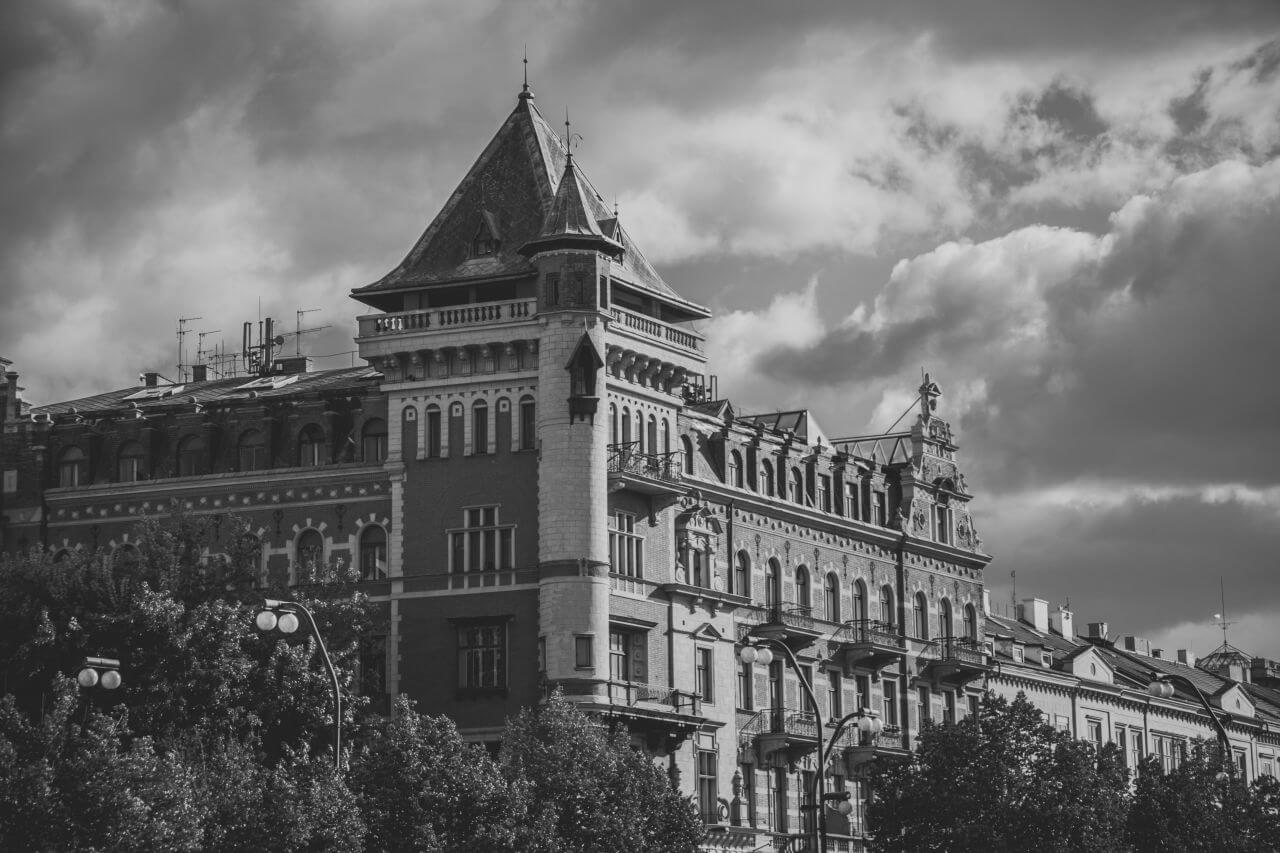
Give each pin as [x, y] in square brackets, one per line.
[571, 219]
[526, 94]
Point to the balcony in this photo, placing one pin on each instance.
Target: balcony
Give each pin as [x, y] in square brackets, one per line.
[859, 748]
[446, 319]
[666, 716]
[956, 660]
[792, 624]
[868, 644]
[645, 327]
[779, 737]
[646, 473]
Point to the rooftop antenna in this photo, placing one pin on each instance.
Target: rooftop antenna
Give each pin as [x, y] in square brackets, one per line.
[301, 331]
[1013, 575]
[1221, 618]
[182, 334]
[200, 350]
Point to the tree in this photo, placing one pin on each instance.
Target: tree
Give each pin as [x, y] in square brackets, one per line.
[589, 790]
[1004, 780]
[420, 787]
[1194, 808]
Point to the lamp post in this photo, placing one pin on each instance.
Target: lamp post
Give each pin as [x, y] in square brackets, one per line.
[103, 673]
[1161, 687]
[757, 651]
[283, 616]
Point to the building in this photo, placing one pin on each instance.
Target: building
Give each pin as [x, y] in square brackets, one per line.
[543, 489]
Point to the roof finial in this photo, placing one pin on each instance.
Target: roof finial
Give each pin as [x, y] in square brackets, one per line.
[1221, 618]
[568, 139]
[525, 94]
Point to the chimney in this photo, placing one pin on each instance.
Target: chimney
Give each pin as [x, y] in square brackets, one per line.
[1158, 654]
[1096, 630]
[1035, 612]
[1063, 622]
[292, 364]
[199, 373]
[1186, 657]
[151, 379]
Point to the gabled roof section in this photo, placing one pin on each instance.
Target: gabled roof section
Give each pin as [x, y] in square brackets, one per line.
[799, 422]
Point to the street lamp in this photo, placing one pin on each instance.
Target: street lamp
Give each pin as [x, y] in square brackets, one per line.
[1161, 687]
[757, 651]
[283, 616]
[99, 672]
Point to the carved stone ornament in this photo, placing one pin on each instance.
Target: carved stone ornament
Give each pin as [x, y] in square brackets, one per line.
[965, 533]
[919, 518]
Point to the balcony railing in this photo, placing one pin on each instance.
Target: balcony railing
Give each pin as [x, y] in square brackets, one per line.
[793, 616]
[477, 314]
[867, 632]
[651, 328]
[679, 701]
[789, 721]
[958, 650]
[627, 459]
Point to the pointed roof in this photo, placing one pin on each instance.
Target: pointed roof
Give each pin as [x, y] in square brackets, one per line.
[514, 187]
[571, 219]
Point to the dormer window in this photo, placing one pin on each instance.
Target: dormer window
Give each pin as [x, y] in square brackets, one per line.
[485, 242]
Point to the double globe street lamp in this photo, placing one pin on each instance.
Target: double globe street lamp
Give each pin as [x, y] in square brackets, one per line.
[99, 672]
[282, 616]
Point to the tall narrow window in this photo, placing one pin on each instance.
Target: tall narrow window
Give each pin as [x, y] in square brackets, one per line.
[970, 623]
[921, 613]
[746, 687]
[626, 425]
[480, 427]
[890, 706]
[835, 698]
[651, 436]
[252, 450]
[614, 435]
[71, 467]
[619, 656]
[372, 660]
[742, 575]
[859, 600]
[878, 509]
[772, 583]
[373, 553]
[483, 544]
[888, 613]
[708, 798]
[686, 447]
[191, 456]
[309, 549]
[129, 463]
[733, 476]
[942, 520]
[310, 446]
[666, 437]
[704, 677]
[528, 424]
[922, 704]
[433, 431]
[851, 499]
[373, 441]
[831, 597]
[797, 486]
[583, 653]
[778, 802]
[949, 707]
[766, 477]
[626, 547]
[482, 656]
[803, 596]
[946, 620]
[824, 493]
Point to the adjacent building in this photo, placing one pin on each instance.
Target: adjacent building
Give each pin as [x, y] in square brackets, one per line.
[543, 489]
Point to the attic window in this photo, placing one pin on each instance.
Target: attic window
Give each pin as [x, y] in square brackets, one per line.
[485, 242]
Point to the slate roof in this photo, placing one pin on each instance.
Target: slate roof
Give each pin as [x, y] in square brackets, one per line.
[353, 379]
[512, 187]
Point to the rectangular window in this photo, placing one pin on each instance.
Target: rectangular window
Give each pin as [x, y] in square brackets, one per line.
[748, 772]
[482, 656]
[835, 699]
[1266, 766]
[374, 447]
[373, 673]
[1094, 730]
[619, 656]
[778, 799]
[878, 510]
[1062, 723]
[806, 673]
[851, 499]
[922, 704]
[1135, 748]
[746, 687]
[890, 691]
[949, 707]
[582, 653]
[703, 675]
[528, 427]
[973, 705]
[626, 547]
[433, 433]
[863, 683]
[1122, 743]
[807, 811]
[10, 482]
[824, 493]
[708, 797]
[942, 523]
[482, 544]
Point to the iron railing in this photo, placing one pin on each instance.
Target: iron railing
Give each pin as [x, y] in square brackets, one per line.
[956, 650]
[790, 721]
[867, 632]
[627, 459]
[631, 692]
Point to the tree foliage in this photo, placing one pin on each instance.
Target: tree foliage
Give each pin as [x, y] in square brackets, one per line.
[1004, 780]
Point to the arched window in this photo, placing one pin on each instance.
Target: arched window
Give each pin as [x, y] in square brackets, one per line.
[528, 423]
[373, 440]
[434, 433]
[651, 439]
[888, 612]
[71, 469]
[803, 595]
[946, 621]
[920, 610]
[252, 449]
[666, 437]
[742, 575]
[309, 549]
[970, 623]
[614, 435]
[734, 474]
[124, 555]
[479, 427]
[766, 477]
[129, 462]
[859, 600]
[251, 550]
[626, 425]
[772, 583]
[639, 448]
[191, 456]
[311, 446]
[686, 448]
[373, 553]
[797, 486]
[831, 597]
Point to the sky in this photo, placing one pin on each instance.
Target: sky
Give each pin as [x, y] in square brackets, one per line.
[1068, 213]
